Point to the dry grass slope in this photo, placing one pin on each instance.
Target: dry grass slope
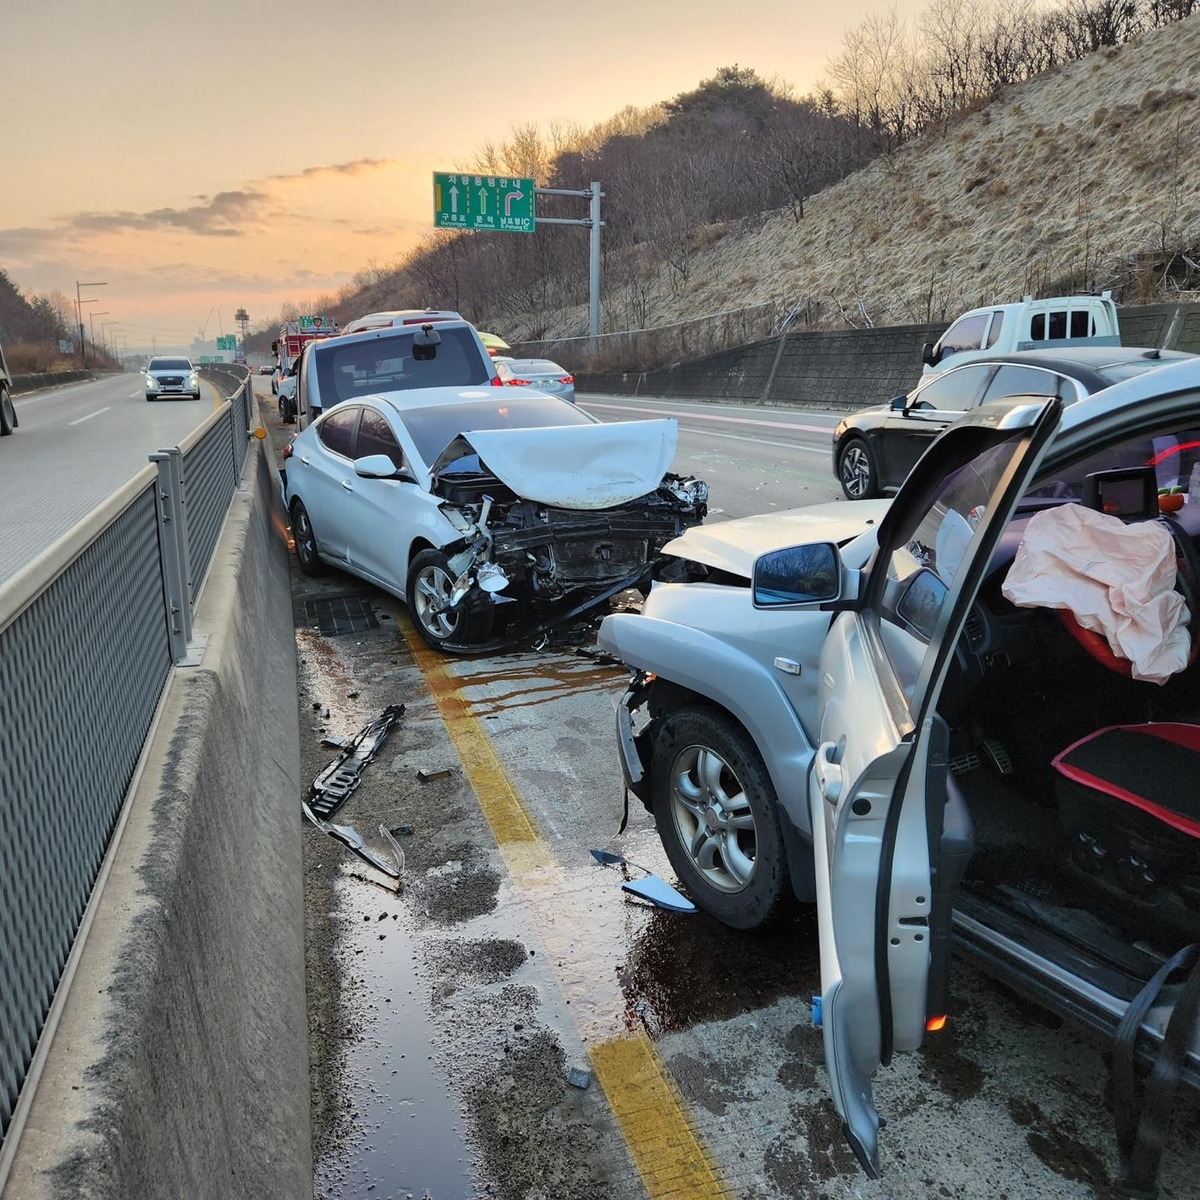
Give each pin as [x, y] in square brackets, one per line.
[1083, 177]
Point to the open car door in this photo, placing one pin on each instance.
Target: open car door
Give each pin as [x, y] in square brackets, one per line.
[890, 833]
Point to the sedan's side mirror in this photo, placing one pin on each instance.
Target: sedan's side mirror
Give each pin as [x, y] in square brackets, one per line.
[899, 403]
[798, 575]
[929, 356]
[380, 466]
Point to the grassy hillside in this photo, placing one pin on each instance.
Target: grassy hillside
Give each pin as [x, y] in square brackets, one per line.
[1084, 177]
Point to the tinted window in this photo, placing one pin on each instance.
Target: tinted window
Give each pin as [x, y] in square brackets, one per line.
[1081, 324]
[375, 437]
[1024, 381]
[169, 364]
[964, 334]
[433, 429]
[386, 364]
[954, 391]
[994, 329]
[337, 431]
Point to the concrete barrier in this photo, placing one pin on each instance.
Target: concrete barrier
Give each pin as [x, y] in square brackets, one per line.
[45, 379]
[178, 1064]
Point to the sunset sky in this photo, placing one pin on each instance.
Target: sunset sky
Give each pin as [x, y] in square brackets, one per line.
[228, 154]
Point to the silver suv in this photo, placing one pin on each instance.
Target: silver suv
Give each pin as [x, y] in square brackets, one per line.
[8, 411]
[172, 377]
[847, 707]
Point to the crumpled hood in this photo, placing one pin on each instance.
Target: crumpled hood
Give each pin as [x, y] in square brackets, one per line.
[734, 545]
[574, 466]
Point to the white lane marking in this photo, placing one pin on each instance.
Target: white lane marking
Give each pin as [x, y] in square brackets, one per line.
[80, 420]
[133, 395]
[695, 416]
[738, 437]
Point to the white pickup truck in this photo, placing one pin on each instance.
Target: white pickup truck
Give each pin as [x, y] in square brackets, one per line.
[1030, 324]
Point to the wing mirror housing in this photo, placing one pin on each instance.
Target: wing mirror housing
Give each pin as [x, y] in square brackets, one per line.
[380, 466]
[930, 355]
[899, 403]
[802, 576]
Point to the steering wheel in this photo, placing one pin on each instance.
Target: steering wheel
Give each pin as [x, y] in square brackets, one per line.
[1187, 584]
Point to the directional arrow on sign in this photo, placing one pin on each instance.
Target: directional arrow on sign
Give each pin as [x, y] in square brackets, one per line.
[508, 201]
[483, 197]
[453, 199]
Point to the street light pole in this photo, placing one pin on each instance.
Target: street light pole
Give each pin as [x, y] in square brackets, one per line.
[79, 314]
[92, 315]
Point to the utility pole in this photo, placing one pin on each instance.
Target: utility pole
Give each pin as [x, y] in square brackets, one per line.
[79, 315]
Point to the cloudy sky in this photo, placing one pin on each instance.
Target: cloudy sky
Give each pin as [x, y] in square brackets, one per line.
[235, 152]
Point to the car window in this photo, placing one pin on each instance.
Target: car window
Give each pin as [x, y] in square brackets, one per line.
[375, 437]
[434, 428]
[1082, 324]
[336, 431]
[965, 334]
[994, 329]
[169, 364]
[1026, 381]
[385, 364]
[954, 391]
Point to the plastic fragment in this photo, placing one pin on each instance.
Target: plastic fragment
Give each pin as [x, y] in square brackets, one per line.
[659, 893]
[432, 776]
[579, 1077]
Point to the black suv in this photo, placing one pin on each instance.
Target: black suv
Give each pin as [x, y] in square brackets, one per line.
[8, 411]
[874, 449]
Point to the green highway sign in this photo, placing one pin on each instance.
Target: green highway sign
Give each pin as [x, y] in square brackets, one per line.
[227, 342]
[484, 202]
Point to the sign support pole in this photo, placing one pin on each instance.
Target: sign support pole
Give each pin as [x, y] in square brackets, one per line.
[594, 271]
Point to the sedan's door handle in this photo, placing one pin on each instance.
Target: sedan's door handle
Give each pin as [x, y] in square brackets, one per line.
[304, 459]
[347, 485]
[829, 774]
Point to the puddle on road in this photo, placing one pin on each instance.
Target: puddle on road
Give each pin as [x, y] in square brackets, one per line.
[408, 1132]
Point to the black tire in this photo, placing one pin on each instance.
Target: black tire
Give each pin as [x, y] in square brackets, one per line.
[149, 398]
[686, 740]
[8, 413]
[311, 563]
[429, 579]
[858, 472]
[196, 396]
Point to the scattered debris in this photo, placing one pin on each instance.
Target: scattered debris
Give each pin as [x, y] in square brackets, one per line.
[579, 1077]
[606, 858]
[336, 742]
[402, 831]
[340, 779]
[351, 695]
[386, 834]
[433, 776]
[352, 840]
[659, 893]
[600, 657]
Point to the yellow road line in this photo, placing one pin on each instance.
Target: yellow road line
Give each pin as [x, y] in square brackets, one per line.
[671, 1159]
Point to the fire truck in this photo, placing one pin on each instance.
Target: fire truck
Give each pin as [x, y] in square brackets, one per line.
[293, 337]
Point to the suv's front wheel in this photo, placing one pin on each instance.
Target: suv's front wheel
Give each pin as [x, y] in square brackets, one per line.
[718, 816]
[8, 413]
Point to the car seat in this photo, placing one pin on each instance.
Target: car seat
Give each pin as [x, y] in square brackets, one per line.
[1129, 800]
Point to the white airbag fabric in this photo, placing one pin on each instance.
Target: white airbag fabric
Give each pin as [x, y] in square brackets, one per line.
[1116, 579]
[580, 466]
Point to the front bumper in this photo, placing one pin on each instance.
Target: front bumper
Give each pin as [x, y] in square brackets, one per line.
[633, 748]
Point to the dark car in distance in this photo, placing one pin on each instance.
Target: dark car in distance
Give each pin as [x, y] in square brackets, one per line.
[875, 449]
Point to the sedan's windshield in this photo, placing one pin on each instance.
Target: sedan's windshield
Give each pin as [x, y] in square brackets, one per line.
[386, 364]
[434, 428]
[169, 364]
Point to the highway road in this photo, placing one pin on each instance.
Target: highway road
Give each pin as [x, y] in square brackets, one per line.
[73, 447]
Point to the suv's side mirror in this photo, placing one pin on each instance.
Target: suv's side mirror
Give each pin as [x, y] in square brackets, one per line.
[797, 575]
[380, 466]
[899, 403]
[929, 355]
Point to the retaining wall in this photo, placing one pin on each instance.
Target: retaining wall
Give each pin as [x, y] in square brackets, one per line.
[179, 1065]
[848, 368]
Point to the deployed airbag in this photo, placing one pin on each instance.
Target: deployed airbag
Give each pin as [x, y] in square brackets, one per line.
[1117, 580]
[577, 466]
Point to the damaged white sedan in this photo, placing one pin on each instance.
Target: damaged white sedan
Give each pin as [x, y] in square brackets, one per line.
[493, 515]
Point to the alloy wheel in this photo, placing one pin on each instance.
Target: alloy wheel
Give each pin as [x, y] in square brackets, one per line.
[431, 594]
[713, 817]
[856, 472]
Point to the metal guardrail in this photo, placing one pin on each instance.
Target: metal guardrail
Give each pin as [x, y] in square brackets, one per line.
[89, 631]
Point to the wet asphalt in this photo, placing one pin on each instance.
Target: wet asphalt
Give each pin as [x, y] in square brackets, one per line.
[446, 1014]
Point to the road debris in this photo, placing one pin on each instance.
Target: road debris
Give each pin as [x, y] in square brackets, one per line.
[579, 1077]
[341, 778]
[659, 893]
[352, 840]
[433, 776]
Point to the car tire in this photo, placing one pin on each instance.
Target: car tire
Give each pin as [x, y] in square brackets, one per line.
[8, 413]
[311, 563]
[149, 398]
[857, 471]
[705, 773]
[196, 396]
[429, 582]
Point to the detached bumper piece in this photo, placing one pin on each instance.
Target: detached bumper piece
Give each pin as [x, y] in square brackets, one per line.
[341, 778]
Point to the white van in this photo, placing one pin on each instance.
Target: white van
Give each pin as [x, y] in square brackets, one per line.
[1029, 325]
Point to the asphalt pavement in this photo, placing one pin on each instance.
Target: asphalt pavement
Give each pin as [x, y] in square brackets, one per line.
[73, 447]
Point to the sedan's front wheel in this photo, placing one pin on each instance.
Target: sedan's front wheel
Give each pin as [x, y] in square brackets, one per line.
[428, 594]
[718, 816]
[310, 561]
[856, 470]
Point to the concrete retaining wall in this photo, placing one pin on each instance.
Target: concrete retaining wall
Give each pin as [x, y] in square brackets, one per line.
[45, 379]
[848, 368]
[179, 1066]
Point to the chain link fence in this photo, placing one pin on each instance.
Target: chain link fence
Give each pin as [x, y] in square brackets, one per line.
[89, 632]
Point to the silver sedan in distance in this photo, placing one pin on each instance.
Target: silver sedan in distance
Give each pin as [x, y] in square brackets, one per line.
[538, 373]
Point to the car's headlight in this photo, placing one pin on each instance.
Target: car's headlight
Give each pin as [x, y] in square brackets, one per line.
[193, 378]
[151, 381]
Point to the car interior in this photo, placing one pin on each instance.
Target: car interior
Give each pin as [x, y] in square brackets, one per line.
[1082, 782]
